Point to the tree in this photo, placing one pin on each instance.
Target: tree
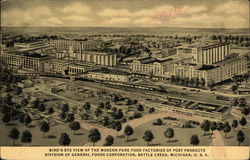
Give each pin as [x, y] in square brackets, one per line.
[18, 90]
[240, 137]
[243, 121]
[211, 84]
[213, 126]
[105, 121]
[202, 82]
[151, 110]
[117, 126]
[234, 101]
[27, 120]
[45, 128]
[169, 133]
[87, 106]
[107, 106]
[6, 118]
[234, 88]
[98, 112]
[194, 140]
[109, 140]
[101, 105]
[242, 102]
[62, 115]
[51, 110]
[148, 136]
[235, 123]
[70, 117]
[94, 135]
[128, 131]
[64, 139]
[140, 108]
[226, 129]
[14, 134]
[119, 114]
[65, 107]
[137, 115]
[245, 110]
[41, 107]
[220, 126]
[75, 126]
[205, 126]
[24, 102]
[26, 137]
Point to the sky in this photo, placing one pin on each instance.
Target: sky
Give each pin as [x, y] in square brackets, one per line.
[126, 13]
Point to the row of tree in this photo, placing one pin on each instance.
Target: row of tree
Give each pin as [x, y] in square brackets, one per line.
[193, 82]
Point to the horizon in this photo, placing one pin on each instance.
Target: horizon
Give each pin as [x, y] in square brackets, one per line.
[116, 27]
[122, 13]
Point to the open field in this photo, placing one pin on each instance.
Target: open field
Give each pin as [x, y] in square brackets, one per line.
[181, 138]
[51, 139]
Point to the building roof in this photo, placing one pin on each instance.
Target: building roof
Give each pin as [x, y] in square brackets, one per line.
[147, 60]
[207, 67]
[111, 71]
[229, 60]
[215, 45]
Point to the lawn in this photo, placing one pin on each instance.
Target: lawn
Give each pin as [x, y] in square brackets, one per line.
[181, 138]
[231, 139]
[51, 138]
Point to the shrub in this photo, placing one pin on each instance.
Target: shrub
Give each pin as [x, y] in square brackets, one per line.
[158, 122]
[137, 115]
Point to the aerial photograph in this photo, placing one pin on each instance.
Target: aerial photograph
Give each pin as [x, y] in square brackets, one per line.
[124, 73]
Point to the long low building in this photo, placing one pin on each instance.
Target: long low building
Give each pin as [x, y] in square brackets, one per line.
[109, 75]
[76, 44]
[197, 110]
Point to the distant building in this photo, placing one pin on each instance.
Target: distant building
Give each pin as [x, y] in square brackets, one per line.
[109, 75]
[150, 67]
[101, 58]
[216, 73]
[209, 54]
[164, 53]
[76, 44]
[31, 45]
[32, 62]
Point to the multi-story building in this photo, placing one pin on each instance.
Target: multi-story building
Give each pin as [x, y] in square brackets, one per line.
[57, 66]
[212, 53]
[32, 62]
[76, 44]
[209, 54]
[216, 73]
[150, 67]
[101, 58]
[31, 45]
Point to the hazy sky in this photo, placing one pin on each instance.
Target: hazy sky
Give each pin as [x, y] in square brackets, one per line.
[126, 13]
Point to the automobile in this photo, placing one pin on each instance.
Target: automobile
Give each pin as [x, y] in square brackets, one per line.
[192, 90]
[198, 91]
[36, 88]
[184, 88]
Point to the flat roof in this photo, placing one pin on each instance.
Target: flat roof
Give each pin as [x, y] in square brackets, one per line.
[215, 45]
[229, 60]
[111, 71]
[207, 67]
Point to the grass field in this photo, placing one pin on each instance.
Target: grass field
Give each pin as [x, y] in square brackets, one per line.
[181, 138]
[51, 138]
